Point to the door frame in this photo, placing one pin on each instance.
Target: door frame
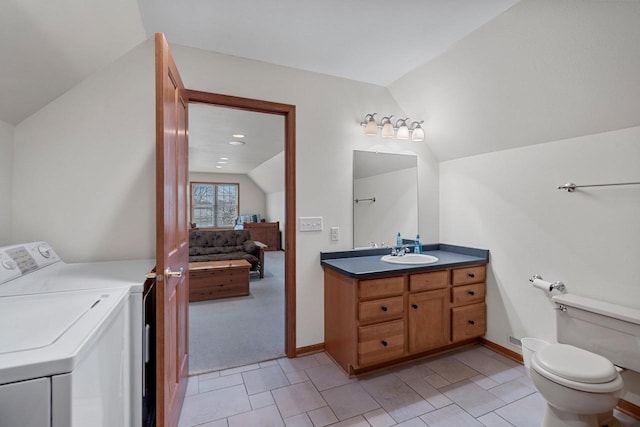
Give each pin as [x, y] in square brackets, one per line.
[289, 113]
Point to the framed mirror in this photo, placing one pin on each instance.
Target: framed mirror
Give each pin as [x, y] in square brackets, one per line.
[385, 198]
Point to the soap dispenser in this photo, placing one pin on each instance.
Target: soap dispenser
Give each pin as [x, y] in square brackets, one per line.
[417, 249]
[398, 240]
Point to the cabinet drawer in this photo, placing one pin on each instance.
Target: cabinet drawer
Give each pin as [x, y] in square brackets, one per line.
[464, 276]
[468, 294]
[428, 281]
[380, 343]
[468, 321]
[376, 288]
[381, 309]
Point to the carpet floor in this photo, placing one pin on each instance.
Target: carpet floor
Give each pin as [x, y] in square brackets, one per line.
[239, 331]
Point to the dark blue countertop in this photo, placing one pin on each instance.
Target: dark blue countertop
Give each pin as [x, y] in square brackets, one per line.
[366, 264]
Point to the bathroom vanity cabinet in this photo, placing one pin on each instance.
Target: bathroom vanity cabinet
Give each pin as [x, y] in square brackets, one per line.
[377, 321]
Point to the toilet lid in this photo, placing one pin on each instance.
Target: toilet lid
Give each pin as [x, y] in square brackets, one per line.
[575, 364]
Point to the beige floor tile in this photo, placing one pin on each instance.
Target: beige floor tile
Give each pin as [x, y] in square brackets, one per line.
[448, 416]
[300, 420]
[261, 400]
[298, 364]
[214, 405]
[436, 381]
[472, 398]
[322, 417]
[298, 398]
[493, 420]
[264, 379]
[327, 376]
[526, 412]
[397, 398]
[452, 369]
[379, 418]
[349, 400]
[512, 391]
[358, 421]
[428, 393]
[219, 383]
[263, 417]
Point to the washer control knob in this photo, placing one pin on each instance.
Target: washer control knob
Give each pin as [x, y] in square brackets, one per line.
[44, 250]
[8, 263]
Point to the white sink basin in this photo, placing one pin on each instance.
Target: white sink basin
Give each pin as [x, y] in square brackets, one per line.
[410, 259]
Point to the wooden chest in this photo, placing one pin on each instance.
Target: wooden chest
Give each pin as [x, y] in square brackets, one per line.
[218, 279]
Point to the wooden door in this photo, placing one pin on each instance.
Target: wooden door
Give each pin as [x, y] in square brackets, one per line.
[172, 243]
[429, 322]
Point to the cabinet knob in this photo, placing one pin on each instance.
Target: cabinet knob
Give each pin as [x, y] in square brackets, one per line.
[471, 292]
[383, 308]
[384, 343]
[414, 305]
[471, 275]
[471, 322]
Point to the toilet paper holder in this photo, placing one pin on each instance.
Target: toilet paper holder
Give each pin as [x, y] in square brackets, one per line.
[536, 280]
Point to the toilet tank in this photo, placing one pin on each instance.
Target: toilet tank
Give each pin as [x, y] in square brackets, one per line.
[610, 330]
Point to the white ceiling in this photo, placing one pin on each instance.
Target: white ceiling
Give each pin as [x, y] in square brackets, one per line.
[47, 47]
[211, 128]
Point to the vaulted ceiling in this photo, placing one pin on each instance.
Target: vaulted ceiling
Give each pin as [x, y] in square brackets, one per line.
[47, 47]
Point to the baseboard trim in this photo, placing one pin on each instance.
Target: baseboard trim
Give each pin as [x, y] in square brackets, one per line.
[310, 349]
[623, 405]
[629, 408]
[502, 350]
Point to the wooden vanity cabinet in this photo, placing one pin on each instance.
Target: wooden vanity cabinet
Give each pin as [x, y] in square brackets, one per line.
[371, 322]
[468, 310]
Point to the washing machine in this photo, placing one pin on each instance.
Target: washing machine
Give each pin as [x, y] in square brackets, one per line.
[73, 340]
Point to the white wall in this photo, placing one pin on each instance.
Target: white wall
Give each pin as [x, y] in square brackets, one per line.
[85, 174]
[270, 177]
[508, 203]
[252, 198]
[542, 71]
[84, 166]
[395, 209]
[6, 181]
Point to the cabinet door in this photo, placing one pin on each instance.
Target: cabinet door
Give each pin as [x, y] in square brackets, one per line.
[429, 322]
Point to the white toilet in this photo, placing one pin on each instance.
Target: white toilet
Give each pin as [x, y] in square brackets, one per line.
[578, 378]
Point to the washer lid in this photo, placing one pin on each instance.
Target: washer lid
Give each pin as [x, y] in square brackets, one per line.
[575, 364]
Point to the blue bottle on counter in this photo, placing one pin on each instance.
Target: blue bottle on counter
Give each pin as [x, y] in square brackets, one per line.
[398, 240]
[417, 249]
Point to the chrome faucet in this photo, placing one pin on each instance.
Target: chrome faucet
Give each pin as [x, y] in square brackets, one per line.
[400, 251]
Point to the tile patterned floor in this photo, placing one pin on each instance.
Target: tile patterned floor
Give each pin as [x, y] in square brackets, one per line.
[470, 387]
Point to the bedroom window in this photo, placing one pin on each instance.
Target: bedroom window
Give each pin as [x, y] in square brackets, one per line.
[214, 204]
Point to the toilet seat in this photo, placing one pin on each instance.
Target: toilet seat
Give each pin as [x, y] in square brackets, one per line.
[576, 368]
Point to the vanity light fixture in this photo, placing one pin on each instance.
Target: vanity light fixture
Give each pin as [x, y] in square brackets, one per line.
[218, 167]
[403, 130]
[417, 133]
[238, 135]
[221, 162]
[234, 142]
[370, 125]
[387, 127]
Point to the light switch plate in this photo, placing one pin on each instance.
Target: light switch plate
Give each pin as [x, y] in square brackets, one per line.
[310, 223]
[335, 234]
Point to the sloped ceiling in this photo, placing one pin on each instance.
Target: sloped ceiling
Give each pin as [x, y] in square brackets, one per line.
[47, 47]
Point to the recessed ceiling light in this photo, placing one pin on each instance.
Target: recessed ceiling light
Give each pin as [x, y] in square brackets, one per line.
[238, 135]
[221, 162]
[237, 142]
[224, 158]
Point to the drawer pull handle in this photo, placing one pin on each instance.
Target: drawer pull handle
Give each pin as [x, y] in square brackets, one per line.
[471, 293]
[415, 306]
[471, 275]
[383, 308]
[384, 343]
[471, 322]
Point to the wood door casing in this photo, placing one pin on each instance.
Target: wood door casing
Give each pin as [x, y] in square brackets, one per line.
[172, 243]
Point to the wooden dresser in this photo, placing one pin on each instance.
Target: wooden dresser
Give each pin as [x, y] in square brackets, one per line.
[265, 232]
